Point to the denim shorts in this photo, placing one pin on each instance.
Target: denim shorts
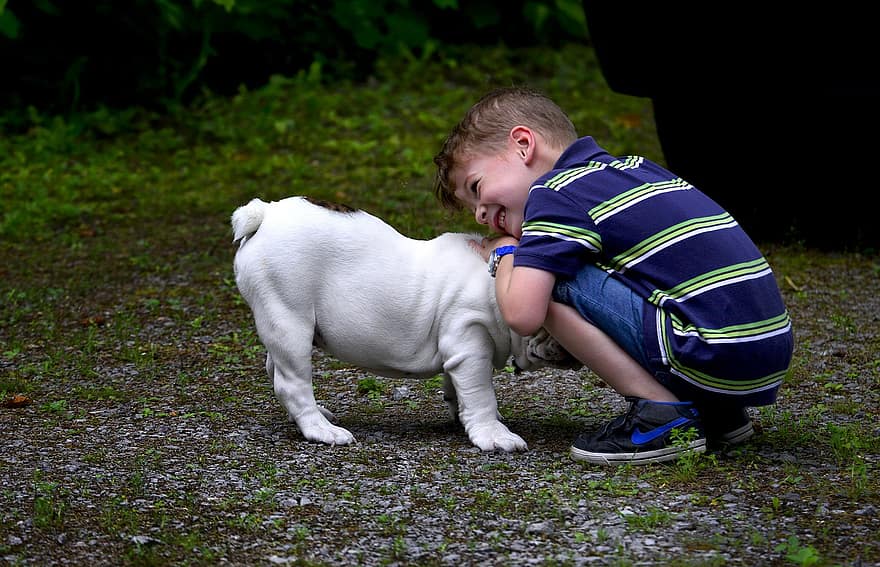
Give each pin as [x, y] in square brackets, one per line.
[609, 305]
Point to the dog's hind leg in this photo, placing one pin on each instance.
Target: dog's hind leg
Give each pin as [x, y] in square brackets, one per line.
[451, 398]
[288, 341]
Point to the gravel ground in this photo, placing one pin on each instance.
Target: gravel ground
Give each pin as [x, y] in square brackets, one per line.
[187, 458]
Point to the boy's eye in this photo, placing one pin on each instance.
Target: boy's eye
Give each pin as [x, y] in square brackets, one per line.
[474, 188]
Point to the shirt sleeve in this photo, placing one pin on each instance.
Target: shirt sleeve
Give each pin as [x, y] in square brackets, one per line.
[559, 235]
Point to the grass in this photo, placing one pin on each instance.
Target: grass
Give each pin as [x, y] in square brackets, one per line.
[117, 296]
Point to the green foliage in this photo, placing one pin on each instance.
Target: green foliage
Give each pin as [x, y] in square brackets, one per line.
[650, 520]
[689, 465]
[797, 553]
[367, 144]
[50, 505]
[370, 387]
[166, 53]
[9, 24]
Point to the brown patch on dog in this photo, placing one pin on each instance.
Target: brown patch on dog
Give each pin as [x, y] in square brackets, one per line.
[338, 207]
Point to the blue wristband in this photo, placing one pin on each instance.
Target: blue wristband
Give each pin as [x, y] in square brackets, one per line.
[496, 255]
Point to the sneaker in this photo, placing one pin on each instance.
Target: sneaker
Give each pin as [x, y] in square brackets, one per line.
[726, 426]
[642, 435]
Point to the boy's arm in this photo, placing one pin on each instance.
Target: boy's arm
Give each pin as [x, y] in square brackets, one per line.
[523, 294]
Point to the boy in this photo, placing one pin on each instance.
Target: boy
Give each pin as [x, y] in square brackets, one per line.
[642, 277]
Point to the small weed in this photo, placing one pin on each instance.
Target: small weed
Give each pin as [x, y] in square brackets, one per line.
[90, 393]
[796, 553]
[300, 533]
[583, 406]
[136, 483]
[846, 442]
[390, 524]
[757, 538]
[433, 384]
[370, 387]
[245, 521]
[95, 457]
[11, 352]
[689, 464]
[263, 496]
[614, 486]
[860, 482]
[14, 385]
[117, 516]
[398, 547]
[773, 508]
[57, 406]
[652, 519]
[49, 505]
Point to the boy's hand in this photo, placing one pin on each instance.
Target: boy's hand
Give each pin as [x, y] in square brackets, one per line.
[486, 245]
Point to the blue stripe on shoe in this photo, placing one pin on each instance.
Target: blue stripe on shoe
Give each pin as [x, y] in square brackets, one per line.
[640, 438]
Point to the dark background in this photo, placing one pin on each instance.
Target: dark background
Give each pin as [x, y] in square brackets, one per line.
[775, 114]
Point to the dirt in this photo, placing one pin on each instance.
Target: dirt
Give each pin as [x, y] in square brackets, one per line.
[146, 433]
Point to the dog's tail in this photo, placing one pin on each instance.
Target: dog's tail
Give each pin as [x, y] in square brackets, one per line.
[247, 219]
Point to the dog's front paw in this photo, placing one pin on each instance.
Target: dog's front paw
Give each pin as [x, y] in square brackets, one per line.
[314, 426]
[331, 435]
[327, 413]
[496, 437]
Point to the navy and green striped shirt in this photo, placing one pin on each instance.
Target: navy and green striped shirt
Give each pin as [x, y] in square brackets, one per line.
[715, 316]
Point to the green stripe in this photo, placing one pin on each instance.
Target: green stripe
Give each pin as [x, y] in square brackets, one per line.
[714, 381]
[619, 201]
[702, 281]
[647, 246]
[606, 207]
[751, 329]
[565, 177]
[567, 232]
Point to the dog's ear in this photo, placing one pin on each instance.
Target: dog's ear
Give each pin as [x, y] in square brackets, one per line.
[544, 350]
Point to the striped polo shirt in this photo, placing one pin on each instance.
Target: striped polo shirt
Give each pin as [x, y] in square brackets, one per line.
[714, 315]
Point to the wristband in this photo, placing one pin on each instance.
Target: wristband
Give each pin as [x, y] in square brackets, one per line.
[496, 255]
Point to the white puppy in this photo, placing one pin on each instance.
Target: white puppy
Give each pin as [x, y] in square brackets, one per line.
[318, 273]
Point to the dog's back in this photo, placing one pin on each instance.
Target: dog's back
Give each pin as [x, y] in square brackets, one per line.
[305, 240]
[352, 278]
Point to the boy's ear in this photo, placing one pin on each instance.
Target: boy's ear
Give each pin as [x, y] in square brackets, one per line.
[523, 139]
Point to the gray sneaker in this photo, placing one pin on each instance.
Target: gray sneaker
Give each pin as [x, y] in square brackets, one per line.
[642, 435]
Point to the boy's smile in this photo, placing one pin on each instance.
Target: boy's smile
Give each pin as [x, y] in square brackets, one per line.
[495, 188]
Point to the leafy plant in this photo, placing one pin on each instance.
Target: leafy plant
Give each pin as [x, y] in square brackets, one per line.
[370, 387]
[651, 519]
[797, 553]
[166, 53]
[49, 505]
[688, 465]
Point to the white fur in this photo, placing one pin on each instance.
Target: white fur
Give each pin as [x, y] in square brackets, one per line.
[394, 306]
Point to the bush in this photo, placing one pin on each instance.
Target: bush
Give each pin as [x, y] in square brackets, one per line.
[68, 57]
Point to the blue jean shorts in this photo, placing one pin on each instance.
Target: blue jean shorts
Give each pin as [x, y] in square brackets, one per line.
[609, 305]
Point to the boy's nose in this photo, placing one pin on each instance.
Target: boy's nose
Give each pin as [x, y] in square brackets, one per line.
[481, 214]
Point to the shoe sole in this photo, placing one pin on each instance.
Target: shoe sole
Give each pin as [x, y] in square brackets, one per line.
[638, 458]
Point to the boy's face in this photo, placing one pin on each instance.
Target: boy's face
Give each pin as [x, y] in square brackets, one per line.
[494, 188]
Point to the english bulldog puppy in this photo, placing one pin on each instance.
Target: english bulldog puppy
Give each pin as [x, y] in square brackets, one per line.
[317, 273]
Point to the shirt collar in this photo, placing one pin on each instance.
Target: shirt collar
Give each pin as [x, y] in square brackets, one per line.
[582, 150]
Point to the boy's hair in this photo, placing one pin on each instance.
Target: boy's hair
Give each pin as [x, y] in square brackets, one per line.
[486, 125]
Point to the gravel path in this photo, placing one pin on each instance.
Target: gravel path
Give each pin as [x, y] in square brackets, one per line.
[188, 459]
